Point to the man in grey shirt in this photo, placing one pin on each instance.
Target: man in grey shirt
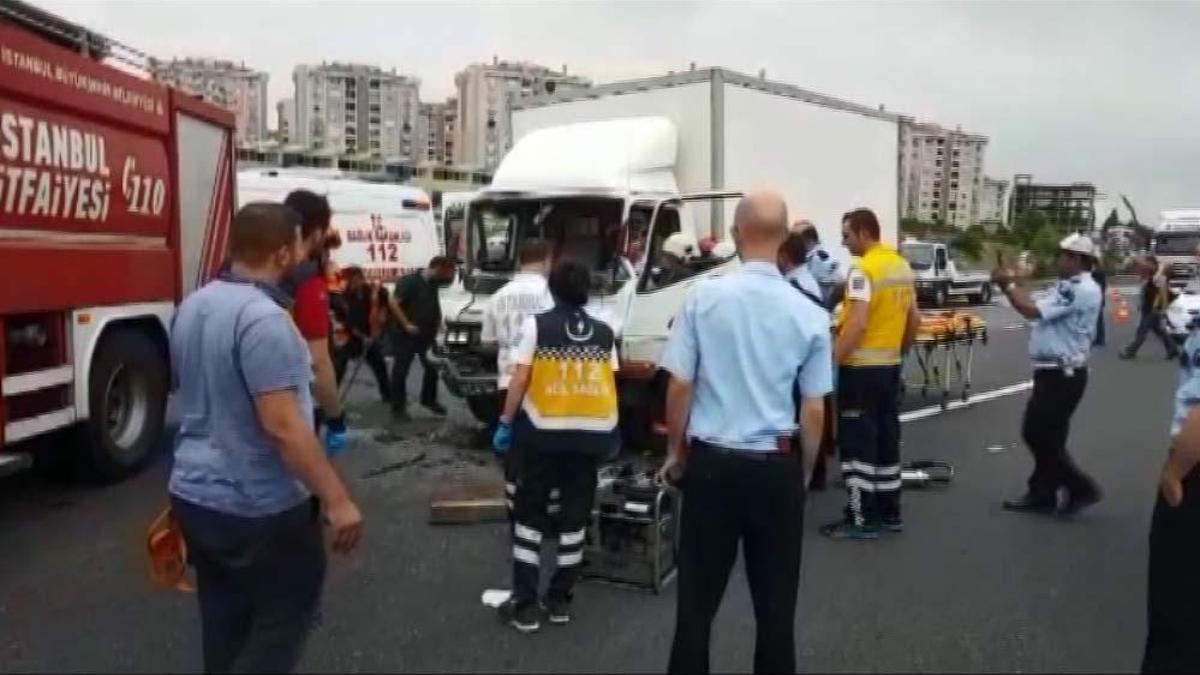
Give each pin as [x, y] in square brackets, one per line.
[250, 477]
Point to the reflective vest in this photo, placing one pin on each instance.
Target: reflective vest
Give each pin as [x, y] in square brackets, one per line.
[890, 281]
[571, 402]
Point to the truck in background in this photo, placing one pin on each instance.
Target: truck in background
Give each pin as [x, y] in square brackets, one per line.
[1175, 243]
[940, 275]
[115, 200]
[608, 174]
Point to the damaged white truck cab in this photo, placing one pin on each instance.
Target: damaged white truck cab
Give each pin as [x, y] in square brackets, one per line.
[609, 173]
[613, 212]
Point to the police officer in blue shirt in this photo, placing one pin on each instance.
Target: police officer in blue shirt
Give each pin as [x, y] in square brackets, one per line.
[821, 264]
[1059, 345]
[1173, 591]
[738, 351]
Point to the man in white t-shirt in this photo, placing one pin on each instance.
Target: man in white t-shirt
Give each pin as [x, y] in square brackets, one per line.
[522, 297]
[526, 295]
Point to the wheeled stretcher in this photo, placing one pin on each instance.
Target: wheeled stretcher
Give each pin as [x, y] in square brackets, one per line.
[944, 351]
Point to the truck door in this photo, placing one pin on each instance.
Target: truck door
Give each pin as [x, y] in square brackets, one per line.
[662, 288]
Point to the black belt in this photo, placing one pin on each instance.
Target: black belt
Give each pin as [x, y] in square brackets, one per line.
[759, 455]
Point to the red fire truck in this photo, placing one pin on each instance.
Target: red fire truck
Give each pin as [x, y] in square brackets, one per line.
[115, 198]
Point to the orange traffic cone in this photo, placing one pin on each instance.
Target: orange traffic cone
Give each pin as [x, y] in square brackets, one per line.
[1121, 314]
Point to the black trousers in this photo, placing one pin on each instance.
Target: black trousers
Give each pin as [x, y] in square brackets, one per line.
[372, 354]
[407, 348]
[540, 478]
[258, 582]
[1151, 322]
[869, 440]
[1045, 429]
[1173, 592]
[731, 498]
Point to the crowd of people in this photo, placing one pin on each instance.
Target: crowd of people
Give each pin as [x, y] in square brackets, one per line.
[756, 359]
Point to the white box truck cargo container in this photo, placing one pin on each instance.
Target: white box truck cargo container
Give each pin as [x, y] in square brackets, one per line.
[609, 173]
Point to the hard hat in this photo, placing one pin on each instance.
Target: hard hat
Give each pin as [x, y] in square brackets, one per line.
[681, 246]
[724, 249]
[1078, 243]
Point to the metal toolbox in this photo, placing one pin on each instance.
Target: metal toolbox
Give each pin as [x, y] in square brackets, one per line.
[633, 533]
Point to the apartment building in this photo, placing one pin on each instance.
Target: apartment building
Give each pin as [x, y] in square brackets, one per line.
[354, 109]
[438, 125]
[993, 207]
[232, 86]
[1069, 207]
[285, 115]
[485, 93]
[941, 174]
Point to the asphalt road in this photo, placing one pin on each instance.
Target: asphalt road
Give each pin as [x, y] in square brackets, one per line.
[967, 588]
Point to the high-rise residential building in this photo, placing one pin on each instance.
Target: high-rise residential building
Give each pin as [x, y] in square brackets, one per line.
[484, 96]
[285, 111]
[450, 132]
[1068, 207]
[352, 109]
[230, 85]
[941, 174]
[992, 205]
[437, 126]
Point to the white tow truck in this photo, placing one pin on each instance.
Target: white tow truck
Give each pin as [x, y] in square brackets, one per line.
[609, 173]
[941, 275]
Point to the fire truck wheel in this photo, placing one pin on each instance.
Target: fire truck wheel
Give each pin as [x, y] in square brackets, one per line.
[128, 399]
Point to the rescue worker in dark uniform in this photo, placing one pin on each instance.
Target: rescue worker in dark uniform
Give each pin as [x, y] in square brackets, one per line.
[739, 350]
[363, 306]
[1059, 344]
[1173, 591]
[561, 417]
[876, 329]
[416, 307]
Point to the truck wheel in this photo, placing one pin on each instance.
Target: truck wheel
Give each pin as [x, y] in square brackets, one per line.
[940, 296]
[485, 408]
[127, 392]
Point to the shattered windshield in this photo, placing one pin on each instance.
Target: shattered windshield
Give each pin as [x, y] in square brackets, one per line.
[587, 229]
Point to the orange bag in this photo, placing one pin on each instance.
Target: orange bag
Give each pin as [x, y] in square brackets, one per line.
[167, 552]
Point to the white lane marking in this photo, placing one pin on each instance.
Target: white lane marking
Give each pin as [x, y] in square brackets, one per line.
[1014, 326]
[922, 413]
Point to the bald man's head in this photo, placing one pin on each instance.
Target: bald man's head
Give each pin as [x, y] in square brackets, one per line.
[761, 221]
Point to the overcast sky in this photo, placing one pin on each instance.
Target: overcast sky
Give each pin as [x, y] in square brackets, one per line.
[1068, 91]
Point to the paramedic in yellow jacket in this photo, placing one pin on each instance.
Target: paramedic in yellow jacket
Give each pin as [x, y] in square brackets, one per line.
[879, 323]
[561, 414]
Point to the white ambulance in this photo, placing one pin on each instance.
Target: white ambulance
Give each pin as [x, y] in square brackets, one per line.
[385, 228]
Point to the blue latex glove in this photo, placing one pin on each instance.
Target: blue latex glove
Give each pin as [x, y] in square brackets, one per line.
[502, 439]
[335, 435]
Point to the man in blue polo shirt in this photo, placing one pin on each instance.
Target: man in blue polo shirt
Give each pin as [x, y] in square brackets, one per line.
[250, 477]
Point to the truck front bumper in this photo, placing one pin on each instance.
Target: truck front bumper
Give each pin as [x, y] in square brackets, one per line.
[466, 379]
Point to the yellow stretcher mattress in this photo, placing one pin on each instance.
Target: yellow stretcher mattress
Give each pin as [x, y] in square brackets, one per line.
[948, 326]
